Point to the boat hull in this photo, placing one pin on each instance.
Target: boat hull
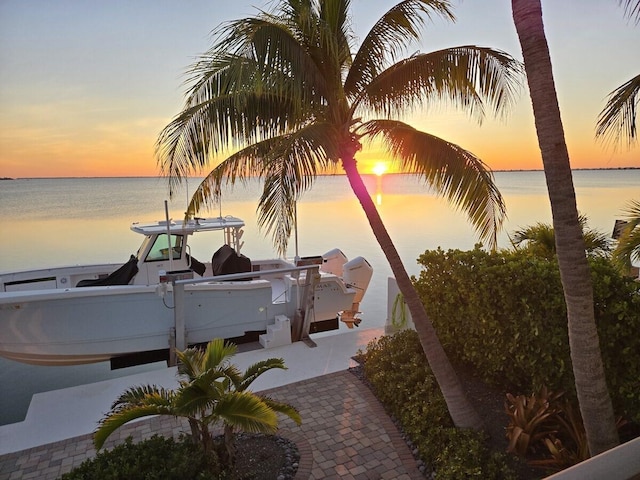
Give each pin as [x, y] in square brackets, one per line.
[76, 326]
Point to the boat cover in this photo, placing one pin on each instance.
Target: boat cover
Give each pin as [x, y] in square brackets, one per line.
[226, 261]
[122, 276]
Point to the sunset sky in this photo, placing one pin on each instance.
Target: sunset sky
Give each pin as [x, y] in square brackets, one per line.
[87, 85]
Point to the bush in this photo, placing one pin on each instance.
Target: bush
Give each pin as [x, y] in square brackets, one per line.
[502, 314]
[399, 375]
[157, 458]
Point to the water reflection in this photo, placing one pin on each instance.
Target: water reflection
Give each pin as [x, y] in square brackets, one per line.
[52, 222]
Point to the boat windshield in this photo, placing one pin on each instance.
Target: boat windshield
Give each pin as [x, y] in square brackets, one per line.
[160, 249]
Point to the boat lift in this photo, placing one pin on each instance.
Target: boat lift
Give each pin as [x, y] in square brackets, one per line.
[301, 320]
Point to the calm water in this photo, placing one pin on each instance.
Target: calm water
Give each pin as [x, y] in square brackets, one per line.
[49, 222]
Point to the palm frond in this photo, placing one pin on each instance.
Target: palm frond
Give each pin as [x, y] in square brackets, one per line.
[631, 9]
[218, 353]
[467, 77]
[257, 369]
[246, 411]
[390, 36]
[139, 395]
[284, 408]
[617, 121]
[451, 171]
[151, 405]
[628, 248]
[540, 238]
[290, 170]
[190, 362]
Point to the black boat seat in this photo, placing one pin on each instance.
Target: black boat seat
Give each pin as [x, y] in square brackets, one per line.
[122, 276]
[196, 265]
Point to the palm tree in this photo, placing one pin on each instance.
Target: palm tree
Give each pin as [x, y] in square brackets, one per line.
[591, 386]
[540, 239]
[617, 121]
[214, 391]
[628, 248]
[286, 91]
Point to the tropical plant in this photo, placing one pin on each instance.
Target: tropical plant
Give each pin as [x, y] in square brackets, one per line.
[541, 240]
[529, 420]
[213, 392]
[591, 385]
[628, 248]
[546, 424]
[286, 91]
[617, 120]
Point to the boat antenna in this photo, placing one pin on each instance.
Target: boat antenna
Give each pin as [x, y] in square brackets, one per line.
[295, 228]
[170, 250]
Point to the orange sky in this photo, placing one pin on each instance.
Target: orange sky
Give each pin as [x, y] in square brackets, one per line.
[85, 88]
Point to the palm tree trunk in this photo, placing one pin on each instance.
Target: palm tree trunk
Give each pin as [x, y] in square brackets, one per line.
[462, 412]
[588, 370]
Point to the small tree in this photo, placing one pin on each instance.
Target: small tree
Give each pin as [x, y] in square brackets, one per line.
[541, 240]
[213, 392]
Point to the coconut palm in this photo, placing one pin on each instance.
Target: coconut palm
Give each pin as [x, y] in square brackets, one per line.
[628, 248]
[213, 392]
[285, 90]
[541, 240]
[617, 121]
[588, 369]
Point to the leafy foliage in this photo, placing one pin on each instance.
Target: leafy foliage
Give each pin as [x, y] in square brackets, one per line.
[529, 420]
[503, 315]
[628, 248]
[547, 428]
[398, 372]
[287, 93]
[153, 459]
[540, 239]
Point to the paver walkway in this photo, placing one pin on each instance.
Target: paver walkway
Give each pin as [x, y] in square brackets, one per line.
[345, 434]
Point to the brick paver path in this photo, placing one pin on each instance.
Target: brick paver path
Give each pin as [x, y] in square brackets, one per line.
[345, 434]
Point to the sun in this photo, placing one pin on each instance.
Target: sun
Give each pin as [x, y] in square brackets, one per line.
[380, 168]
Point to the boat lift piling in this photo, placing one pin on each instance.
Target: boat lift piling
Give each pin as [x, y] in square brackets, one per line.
[180, 278]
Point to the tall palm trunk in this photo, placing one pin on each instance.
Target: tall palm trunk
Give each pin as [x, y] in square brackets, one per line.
[460, 409]
[593, 395]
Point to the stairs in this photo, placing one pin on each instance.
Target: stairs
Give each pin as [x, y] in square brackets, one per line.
[277, 334]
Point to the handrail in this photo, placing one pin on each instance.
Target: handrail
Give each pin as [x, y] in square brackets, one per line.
[619, 463]
[242, 276]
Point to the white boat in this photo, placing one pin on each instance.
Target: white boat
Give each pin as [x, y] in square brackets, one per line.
[138, 311]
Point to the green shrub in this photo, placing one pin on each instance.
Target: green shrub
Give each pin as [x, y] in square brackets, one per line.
[503, 315]
[157, 458]
[400, 377]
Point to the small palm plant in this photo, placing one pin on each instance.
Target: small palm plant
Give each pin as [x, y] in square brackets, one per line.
[212, 392]
[540, 239]
[628, 248]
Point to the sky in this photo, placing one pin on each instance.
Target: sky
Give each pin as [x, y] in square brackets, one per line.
[86, 86]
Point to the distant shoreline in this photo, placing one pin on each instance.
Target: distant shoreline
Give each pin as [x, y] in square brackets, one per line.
[335, 174]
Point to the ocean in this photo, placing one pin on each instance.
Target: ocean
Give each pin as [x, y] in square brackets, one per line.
[66, 221]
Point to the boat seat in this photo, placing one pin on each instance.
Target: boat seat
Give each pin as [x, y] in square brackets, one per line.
[196, 265]
[122, 276]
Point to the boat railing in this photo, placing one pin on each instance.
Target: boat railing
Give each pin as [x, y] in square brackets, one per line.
[179, 340]
[245, 275]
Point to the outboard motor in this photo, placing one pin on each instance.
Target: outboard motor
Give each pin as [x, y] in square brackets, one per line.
[333, 262]
[357, 274]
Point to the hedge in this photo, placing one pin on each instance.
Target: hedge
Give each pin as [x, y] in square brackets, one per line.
[502, 314]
